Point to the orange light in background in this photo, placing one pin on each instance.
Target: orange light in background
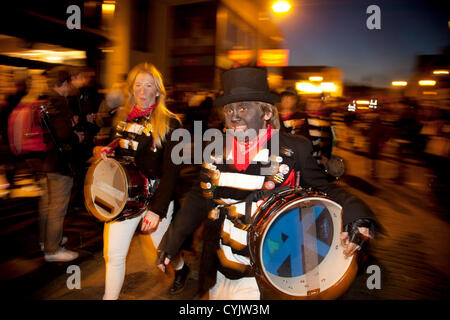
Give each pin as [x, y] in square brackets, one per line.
[362, 102]
[440, 72]
[399, 83]
[108, 7]
[315, 78]
[273, 58]
[54, 59]
[328, 87]
[241, 56]
[433, 93]
[307, 87]
[427, 82]
[51, 56]
[281, 6]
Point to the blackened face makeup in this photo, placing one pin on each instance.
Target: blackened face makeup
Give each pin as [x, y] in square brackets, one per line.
[245, 119]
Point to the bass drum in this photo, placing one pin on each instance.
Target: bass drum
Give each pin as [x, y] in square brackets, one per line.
[115, 190]
[294, 244]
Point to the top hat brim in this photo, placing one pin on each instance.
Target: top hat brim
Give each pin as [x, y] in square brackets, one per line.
[247, 96]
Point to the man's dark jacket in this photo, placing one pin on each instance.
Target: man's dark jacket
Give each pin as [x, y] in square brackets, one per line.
[196, 208]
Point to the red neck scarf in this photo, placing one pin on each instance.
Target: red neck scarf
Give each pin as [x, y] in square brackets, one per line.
[244, 152]
[136, 113]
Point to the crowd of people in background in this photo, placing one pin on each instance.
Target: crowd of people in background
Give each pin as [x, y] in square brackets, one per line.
[403, 128]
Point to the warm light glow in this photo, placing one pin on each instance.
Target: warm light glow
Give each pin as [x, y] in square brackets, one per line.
[273, 57]
[240, 56]
[362, 101]
[433, 93]
[427, 82]
[315, 78]
[306, 87]
[440, 72]
[281, 6]
[399, 83]
[108, 8]
[54, 58]
[328, 87]
[363, 108]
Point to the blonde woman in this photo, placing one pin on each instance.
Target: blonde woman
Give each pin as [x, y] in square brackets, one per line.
[151, 152]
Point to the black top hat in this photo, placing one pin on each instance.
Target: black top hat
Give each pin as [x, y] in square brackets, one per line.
[245, 84]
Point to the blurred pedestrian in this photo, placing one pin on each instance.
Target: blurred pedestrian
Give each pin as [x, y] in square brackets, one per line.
[376, 135]
[58, 166]
[26, 136]
[319, 128]
[437, 155]
[292, 119]
[406, 130]
[114, 99]
[84, 101]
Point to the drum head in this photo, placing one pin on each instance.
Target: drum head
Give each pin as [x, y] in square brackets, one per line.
[300, 252]
[106, 189]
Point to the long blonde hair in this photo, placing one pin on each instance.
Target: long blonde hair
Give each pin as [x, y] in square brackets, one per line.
[161, 115]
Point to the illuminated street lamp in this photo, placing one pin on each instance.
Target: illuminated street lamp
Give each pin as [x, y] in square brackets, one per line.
[281, 6]
[315, 78]
[399, 83]
[427, 83]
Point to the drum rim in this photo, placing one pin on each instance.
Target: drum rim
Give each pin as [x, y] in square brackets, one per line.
[348, 274]
[89, 203]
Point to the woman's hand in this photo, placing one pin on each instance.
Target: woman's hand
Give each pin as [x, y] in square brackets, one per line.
[101, 152]
[150, 222]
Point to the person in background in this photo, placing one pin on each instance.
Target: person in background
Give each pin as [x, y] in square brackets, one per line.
[113, 101]
[292, 119]
[58, 166]
[84, 101]
[319, 129]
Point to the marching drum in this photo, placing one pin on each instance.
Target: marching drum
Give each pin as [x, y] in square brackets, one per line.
[295, 249]
[115, 190]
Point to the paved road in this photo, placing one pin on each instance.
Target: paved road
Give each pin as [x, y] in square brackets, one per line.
[413, 254]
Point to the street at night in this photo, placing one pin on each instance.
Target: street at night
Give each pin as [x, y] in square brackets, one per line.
[412, 255]
[178, 151]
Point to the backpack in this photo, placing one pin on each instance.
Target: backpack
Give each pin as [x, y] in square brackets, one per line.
[25, 131]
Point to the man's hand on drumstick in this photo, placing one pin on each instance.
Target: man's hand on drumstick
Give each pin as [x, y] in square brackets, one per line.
[351, 247]
[356, 234]
[150, 222]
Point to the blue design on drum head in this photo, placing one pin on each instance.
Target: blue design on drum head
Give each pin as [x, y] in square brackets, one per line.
[283, 248]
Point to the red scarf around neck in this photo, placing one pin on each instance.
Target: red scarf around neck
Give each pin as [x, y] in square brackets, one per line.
[246, 151]
[136, 113]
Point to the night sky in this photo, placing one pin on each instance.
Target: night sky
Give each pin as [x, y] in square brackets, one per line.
[334, 33]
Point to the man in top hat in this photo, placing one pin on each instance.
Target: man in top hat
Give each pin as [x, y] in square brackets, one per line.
[230, 186]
